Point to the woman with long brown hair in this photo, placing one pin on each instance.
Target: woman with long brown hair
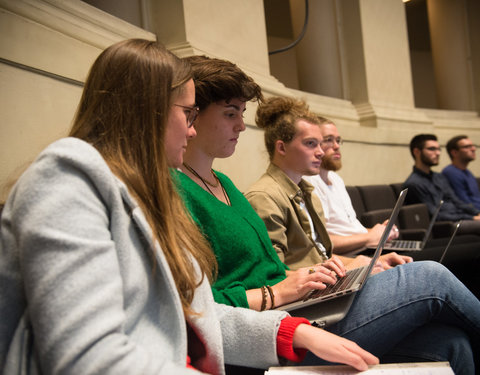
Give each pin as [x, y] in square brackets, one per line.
[102, 270]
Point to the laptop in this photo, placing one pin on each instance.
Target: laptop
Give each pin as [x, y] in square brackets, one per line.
[328, 306]
[410, 245]
[450, 241]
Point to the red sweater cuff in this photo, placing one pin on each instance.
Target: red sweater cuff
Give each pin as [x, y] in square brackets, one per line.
[285, 339]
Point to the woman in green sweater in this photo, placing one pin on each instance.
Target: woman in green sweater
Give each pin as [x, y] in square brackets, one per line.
[398, 315]
[247, 262]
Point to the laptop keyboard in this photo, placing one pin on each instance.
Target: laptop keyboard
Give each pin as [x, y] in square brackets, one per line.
[342, 283]
[404, 244]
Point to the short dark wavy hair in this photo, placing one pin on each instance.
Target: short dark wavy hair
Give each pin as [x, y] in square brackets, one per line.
[217, 80]
[419, 141]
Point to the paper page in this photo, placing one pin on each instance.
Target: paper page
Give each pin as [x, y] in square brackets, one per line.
[427, 368]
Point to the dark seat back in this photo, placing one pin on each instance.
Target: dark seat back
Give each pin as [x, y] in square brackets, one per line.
[397, 188]
[377, 197]
[356, 199]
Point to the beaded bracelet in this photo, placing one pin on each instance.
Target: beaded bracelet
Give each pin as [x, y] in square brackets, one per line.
[264, 298]
[272, 296]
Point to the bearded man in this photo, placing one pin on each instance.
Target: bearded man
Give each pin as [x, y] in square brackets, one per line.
[348, 235]
[429, 187]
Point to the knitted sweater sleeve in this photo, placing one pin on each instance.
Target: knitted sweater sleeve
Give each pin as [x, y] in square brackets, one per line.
[285, 339]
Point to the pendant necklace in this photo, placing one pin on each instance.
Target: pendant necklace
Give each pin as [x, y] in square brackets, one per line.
[207, 183]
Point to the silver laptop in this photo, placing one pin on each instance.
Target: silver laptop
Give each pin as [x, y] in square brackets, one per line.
[410, 245]
[450, 241]
[328, 306]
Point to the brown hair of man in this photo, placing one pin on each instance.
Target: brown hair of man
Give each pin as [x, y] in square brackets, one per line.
[123, 113]
[278, 116]
[452, 144]
[419, 142]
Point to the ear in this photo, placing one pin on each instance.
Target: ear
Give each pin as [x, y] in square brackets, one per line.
[416, 152]
[280, 147]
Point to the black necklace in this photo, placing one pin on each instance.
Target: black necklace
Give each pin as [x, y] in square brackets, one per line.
[206, 183]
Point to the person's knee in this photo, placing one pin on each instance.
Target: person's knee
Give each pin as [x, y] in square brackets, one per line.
[432, 266]
[432, 271]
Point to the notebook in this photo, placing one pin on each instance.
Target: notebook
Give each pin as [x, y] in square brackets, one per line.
[450, 241]
[328, 306]
[409, 245]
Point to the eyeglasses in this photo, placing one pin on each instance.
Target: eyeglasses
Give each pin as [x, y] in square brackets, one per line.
[329, 142]
[467, 146]
[190, 112]
[433, 149]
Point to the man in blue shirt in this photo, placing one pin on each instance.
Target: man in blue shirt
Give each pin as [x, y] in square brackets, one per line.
[462, 151]
[426, 186]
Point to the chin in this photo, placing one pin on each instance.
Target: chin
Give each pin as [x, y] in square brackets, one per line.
[175, 163]
[225, 153]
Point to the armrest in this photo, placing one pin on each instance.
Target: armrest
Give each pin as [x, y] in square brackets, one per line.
[442, 229]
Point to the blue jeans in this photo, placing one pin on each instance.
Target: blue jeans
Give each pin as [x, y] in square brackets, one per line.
[415, 312]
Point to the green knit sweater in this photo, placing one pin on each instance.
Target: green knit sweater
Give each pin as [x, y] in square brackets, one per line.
[245, 255]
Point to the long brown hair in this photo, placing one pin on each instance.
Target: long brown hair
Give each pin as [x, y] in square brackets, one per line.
[123, 113]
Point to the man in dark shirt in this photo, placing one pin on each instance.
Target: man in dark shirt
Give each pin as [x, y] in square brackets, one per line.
[426, 186]
[462, 151]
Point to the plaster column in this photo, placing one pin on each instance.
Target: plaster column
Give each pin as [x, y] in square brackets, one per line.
[232, 30]
[378, 63]
[451, 55]
[318, 53]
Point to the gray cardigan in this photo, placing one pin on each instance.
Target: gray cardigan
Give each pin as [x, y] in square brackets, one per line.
[80, 294]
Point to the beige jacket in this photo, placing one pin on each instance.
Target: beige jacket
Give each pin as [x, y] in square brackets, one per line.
[277, 200]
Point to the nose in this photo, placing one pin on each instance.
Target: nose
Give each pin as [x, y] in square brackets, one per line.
[320, 152]
[240, 125]
[191, 132]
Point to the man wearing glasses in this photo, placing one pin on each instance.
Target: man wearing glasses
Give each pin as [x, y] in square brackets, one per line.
[348, 235]
[462, 151]
[426, 186]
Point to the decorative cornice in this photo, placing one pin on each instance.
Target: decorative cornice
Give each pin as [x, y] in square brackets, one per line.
[374, 115]
[77, 20]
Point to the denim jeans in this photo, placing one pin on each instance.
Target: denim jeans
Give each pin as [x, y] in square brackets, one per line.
[415, 312]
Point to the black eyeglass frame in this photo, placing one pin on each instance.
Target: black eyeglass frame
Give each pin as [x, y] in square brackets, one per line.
[466, 146]
[191, 115]
[433, 148]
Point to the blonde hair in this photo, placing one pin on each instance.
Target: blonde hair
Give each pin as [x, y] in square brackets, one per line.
[123, 113]
[278, 116]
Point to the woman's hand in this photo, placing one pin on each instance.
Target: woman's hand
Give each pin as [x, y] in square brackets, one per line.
[298, 283]
[332, 348]
[334, 264]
